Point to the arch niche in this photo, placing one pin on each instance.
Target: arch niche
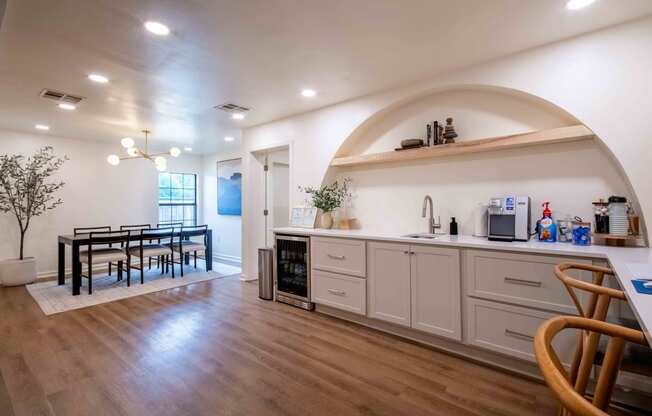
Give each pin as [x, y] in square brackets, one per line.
[389, 196]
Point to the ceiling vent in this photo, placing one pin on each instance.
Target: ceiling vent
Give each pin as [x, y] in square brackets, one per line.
[60, 96]
[232, 108]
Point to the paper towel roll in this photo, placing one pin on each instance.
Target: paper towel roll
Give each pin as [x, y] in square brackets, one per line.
[480, 220]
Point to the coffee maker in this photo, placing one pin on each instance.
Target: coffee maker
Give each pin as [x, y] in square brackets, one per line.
[509, 218]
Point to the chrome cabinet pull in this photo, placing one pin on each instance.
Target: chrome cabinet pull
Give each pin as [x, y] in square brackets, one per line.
[336, 257]
[406, 252]
[524, 282]
[337, 292]
[518, 335]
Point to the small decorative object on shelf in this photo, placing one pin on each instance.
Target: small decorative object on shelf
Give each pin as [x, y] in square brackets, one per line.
[328, 198]
[428, 134]
[410, 144]
[449, 131]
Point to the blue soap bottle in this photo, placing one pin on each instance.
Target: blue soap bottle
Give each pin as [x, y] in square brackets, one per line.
[547, 226]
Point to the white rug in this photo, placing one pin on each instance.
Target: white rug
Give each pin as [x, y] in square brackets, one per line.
[53, 298]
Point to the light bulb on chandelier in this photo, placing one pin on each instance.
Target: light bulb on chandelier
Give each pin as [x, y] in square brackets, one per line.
[127, 142]
[113, 160]
[175, 151]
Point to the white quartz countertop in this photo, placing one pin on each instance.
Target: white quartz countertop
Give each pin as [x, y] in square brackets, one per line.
[621, 259]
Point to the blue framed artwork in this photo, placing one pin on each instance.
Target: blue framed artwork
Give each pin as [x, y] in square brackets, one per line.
[229, 187]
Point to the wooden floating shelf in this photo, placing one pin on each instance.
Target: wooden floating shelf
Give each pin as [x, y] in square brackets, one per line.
[536, 138]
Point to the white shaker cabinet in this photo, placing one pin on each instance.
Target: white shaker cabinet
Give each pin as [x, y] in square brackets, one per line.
[416, 286]
[436, 297]
[388, 282]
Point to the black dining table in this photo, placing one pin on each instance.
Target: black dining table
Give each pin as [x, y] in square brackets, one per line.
[79, 240]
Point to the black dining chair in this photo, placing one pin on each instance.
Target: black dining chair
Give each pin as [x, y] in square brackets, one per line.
[177, 226]
[101, 250]
[145, 248]
[137, 227]
[86, 230]
[187, 245]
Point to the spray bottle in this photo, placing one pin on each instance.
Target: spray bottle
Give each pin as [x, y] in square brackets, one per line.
[547, 227]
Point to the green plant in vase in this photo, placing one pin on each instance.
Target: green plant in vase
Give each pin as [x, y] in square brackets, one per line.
[328, 198]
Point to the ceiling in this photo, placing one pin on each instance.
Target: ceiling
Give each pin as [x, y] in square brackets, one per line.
[255, 53]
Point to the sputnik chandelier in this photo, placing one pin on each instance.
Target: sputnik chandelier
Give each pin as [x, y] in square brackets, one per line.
[136, 153]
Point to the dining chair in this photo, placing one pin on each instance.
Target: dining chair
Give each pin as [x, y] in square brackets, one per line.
[106, 253]
[177, 226]
[636, 358]
[137, 227]
[146, 248]
[572, 400]
[186, 245]
[85, 230]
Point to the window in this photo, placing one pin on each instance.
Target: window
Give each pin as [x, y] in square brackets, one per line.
[177, 198]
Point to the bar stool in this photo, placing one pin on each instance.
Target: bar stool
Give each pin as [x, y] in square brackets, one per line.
[573, 401]
[589, 351]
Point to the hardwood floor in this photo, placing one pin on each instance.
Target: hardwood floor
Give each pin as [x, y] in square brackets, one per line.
[214, 348]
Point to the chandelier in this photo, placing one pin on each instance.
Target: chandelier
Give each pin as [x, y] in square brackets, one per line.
[134, 152]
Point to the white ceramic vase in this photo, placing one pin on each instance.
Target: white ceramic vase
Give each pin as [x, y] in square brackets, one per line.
[15, 272]
[326, 220]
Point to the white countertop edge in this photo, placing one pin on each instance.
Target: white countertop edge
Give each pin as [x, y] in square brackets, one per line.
[618, 257]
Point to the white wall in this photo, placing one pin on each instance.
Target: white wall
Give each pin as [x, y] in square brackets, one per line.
[95, 193]
[601, 78]
[227, 229]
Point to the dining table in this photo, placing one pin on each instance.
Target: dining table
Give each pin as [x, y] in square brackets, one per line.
[80, 240]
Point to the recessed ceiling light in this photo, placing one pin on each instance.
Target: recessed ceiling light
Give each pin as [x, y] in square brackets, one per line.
[308, 93]
[187, 149]
[67, 106]
[228, 139]
[42, 127]
[578, 4]
[157, 28]
[100, 79]
[238, 116]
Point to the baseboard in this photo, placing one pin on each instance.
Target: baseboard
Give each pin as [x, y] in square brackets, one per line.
[228, 259]
[247, 279]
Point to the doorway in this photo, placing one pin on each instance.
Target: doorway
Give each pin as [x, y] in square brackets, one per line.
[277, 192]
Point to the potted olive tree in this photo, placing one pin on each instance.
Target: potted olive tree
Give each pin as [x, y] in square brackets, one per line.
[26, 192]
[328, 198]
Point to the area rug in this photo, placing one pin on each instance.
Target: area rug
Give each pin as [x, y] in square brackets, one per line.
[52, 298]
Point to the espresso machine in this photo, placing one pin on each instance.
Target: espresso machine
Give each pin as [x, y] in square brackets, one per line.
[509, 218]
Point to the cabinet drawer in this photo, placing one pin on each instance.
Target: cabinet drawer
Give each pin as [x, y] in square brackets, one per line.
[510, 330]
[339, 291]
[338, 255]
[527, 280]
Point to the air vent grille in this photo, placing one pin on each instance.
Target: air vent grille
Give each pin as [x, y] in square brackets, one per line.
[232, 108]
[60, 96]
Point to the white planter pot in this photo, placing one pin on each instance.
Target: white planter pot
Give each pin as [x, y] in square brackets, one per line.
[16, 272]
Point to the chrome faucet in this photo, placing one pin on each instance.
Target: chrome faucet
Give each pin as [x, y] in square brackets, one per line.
[432, 225]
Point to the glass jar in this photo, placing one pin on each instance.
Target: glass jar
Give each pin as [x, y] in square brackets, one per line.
[581, 233]
[564, 230]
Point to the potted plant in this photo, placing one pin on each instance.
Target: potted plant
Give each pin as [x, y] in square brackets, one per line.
[328, 198]
[26, 192]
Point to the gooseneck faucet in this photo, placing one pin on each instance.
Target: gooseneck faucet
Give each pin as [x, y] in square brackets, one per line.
[432, 225]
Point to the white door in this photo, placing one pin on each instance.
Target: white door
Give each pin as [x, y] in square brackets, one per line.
[388, 282]
[435, 283]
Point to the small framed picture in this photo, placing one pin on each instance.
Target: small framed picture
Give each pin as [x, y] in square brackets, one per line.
[303, 217]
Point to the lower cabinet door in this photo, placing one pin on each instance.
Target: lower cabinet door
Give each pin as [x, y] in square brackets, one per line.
[388, 282]
[436, 280]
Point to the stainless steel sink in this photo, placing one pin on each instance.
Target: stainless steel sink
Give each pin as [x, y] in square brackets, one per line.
[426, 236]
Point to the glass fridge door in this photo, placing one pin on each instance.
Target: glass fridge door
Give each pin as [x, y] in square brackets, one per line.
[292, 267]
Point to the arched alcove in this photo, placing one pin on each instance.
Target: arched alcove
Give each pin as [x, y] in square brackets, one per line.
[389, 196]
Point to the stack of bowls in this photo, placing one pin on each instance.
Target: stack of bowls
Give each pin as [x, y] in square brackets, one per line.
[618, 221]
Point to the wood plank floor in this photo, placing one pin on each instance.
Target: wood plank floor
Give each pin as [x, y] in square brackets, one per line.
[214, 348]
